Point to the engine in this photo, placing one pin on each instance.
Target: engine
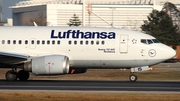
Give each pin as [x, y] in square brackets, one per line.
[48, 65]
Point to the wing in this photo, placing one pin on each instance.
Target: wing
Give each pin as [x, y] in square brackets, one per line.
[12, 58]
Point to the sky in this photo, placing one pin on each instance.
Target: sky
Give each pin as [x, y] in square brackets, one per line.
[7, 12]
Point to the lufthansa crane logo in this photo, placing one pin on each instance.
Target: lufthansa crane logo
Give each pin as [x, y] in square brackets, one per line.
[152, 53]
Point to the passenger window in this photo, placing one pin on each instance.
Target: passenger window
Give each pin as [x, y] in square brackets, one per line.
[20, 42]
[53, 42]
[32, 42]
[3, 41]
[69, 42]
[43, 42]
[81, 42]
[150, 41]
[97, 42]
[14, 41]
[92, 42]
[87, 42]
[26, 42]
[38, 42]
[48, 42]
[102, 42]
[143, 41]
[9, 42]
[75, 42]
[58, 42]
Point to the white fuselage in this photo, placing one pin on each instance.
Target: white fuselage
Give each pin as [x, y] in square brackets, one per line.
[107, 48]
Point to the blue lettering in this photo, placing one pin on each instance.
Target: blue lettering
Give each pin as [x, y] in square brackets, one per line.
[87, 35]
[80, 33]
[111, 35]
[68, 33]
[103, 35]
[52, 34]
[75, 34]
[95, 35]
[139, 69]
[62, 36]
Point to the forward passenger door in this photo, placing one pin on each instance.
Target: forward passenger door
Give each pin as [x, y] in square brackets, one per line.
[123, 45]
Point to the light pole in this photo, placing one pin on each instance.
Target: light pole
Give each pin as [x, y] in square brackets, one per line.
[83, 12]
[112, 16]
[1, 12]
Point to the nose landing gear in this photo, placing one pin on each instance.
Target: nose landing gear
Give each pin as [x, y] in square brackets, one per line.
[133, 77]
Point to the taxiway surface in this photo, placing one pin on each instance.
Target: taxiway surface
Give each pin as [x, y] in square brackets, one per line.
[89, 85]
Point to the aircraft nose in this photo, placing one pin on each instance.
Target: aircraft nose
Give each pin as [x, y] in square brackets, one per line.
[168, 52]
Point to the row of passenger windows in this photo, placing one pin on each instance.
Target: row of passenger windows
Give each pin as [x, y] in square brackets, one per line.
[149, 41]
[32, 42]
[87, 42]
[51, 42]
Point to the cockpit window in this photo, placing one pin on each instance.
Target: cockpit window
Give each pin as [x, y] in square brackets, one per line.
[155, 41]
[143, 41]
[150, 41]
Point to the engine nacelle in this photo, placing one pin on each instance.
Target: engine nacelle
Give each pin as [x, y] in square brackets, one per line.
[77, 70]
[48, 65]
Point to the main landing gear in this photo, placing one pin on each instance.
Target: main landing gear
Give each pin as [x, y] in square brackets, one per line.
[13, 75]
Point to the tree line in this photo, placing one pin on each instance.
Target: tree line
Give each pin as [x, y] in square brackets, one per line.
[164, 24]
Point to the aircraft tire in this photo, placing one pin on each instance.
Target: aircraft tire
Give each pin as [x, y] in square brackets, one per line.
[133, 78]
[11, 75]
[23, 75]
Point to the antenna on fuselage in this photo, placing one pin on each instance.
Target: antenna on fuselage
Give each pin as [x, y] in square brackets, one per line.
[35, 24]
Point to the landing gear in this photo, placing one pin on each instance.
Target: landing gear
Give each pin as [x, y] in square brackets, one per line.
[23, 75]
[12, 75]
[133, 78]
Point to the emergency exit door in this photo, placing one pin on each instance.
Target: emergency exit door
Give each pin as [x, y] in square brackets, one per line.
[123, 43]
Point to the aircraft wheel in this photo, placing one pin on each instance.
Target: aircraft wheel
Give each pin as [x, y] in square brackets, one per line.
[23, 75]
[133, 78]
[11, 75]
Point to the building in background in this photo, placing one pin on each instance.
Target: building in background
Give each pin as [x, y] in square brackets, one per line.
[9, 22]
[102, 13]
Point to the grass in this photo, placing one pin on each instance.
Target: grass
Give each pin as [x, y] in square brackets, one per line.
[69, 96]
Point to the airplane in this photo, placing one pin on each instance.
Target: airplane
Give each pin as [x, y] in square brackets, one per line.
[57, 50]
